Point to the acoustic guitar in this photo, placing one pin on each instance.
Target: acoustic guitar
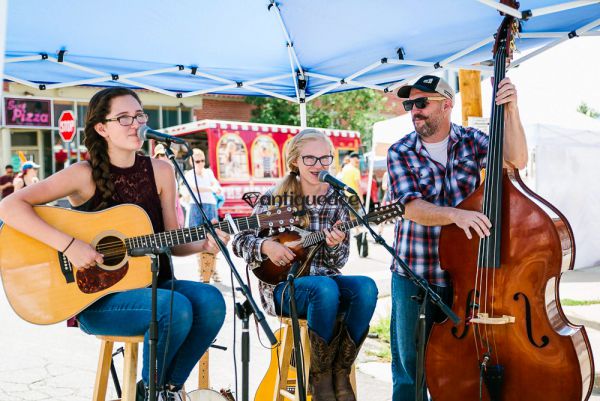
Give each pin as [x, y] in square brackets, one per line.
[304, 244]
[43, 287]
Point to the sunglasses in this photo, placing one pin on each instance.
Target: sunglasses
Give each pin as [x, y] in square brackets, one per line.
[420, 102]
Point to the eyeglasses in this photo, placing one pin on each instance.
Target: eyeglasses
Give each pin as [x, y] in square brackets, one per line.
[420, 102]
[126, 121]
[312, 160]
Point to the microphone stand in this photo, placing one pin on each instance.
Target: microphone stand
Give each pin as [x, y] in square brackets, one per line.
[426, 293]
[300, 385]
[250, 305]
[153, 253]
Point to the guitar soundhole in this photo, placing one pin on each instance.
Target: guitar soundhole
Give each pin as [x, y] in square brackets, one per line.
[113, 249]
[97, 278]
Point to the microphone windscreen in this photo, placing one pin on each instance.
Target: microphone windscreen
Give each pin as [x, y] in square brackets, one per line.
[142, 132]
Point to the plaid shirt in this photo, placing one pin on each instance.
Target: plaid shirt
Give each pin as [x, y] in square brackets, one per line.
[326, 262]
[414, 175]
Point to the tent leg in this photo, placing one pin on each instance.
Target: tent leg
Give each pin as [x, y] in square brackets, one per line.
[3, 33]
[303, 115]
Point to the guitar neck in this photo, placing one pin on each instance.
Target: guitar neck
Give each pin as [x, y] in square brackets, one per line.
[319, 236]
[187, 235]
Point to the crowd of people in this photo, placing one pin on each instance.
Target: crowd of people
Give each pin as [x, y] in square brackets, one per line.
[430, 171]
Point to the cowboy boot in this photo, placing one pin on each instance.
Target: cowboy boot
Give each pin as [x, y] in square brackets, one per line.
[321, 358]
[342, 365]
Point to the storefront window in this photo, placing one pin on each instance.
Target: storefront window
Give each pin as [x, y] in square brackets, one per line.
[81, 113]
[169, 118]
[153, 117]
[265, 158]
[232, 157]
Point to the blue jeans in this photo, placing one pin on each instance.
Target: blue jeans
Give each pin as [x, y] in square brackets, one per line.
[198, 314]
[403, 328]
[196, 217]
[319, 300]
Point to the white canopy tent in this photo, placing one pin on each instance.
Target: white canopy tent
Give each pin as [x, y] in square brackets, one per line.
[283, 49]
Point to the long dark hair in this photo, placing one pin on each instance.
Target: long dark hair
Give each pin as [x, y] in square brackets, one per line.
[98, 109]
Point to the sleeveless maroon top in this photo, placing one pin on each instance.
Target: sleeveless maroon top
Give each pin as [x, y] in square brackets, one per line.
[136, 184]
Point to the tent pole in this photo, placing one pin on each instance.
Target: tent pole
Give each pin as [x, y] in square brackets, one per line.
[302, 114]
[370, 179]
[3, 23]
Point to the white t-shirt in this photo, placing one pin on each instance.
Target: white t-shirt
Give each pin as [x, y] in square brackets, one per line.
[207, 180]
[438, 150]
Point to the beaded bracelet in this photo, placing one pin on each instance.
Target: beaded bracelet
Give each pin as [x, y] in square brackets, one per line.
[72, 240]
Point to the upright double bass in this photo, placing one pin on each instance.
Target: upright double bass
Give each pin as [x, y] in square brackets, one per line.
[514, 342]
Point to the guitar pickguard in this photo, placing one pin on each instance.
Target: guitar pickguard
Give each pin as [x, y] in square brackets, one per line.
[95, 279]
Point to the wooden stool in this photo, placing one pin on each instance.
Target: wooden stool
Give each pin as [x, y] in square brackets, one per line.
[129, 370]
[285, 382]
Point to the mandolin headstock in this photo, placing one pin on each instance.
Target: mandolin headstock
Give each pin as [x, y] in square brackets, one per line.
[386, 212]
[278, 218]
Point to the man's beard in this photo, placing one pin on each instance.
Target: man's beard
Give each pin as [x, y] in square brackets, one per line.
[429, 125]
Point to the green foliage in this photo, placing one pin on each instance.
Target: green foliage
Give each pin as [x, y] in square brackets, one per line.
[573, 302]
[353, 110]
[587, 110]
[382, 329]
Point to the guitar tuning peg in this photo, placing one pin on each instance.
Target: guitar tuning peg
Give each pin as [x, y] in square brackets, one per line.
[270, 231]
[281, 229]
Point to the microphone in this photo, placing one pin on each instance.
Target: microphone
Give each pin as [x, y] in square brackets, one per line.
[324, 176]
[144, 132]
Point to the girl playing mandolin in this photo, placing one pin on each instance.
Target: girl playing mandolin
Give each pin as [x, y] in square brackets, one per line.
[324, 294]
[115, 175]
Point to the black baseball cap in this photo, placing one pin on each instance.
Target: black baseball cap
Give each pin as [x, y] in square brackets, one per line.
[428, 83]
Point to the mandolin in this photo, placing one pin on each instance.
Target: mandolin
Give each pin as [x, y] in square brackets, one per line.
[304, 244]
[43, 287]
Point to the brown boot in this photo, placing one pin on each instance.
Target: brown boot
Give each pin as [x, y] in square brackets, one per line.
[342, 365]
[321, 359]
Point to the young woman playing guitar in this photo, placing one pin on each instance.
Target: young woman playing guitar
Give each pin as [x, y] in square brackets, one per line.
[114, 175]
[325, 293]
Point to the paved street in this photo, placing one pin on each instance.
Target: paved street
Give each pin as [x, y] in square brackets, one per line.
[59, 363]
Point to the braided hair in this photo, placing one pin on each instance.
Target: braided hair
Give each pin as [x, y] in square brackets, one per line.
[98, 109]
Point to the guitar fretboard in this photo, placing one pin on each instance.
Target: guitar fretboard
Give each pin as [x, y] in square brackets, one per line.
[187, 235]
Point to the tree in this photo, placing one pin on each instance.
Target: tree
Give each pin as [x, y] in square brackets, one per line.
[353, 110]
[588, 111]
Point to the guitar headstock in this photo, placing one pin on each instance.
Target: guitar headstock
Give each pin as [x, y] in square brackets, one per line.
[280, 217]
[386, 212]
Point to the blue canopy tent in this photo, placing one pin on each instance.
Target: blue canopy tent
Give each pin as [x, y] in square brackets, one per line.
[294, 50]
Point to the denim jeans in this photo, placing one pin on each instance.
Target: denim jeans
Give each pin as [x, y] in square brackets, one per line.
[198, 314]
[196, 217]
[403, 328]
[319, 300]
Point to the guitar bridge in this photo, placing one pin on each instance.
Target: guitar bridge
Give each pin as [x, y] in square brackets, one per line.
[66, 268]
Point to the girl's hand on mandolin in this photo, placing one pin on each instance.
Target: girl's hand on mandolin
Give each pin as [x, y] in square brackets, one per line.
[334, 236]
[279, 254]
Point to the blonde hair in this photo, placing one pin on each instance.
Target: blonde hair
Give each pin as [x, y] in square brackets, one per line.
[195, 153]
[290, 184]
